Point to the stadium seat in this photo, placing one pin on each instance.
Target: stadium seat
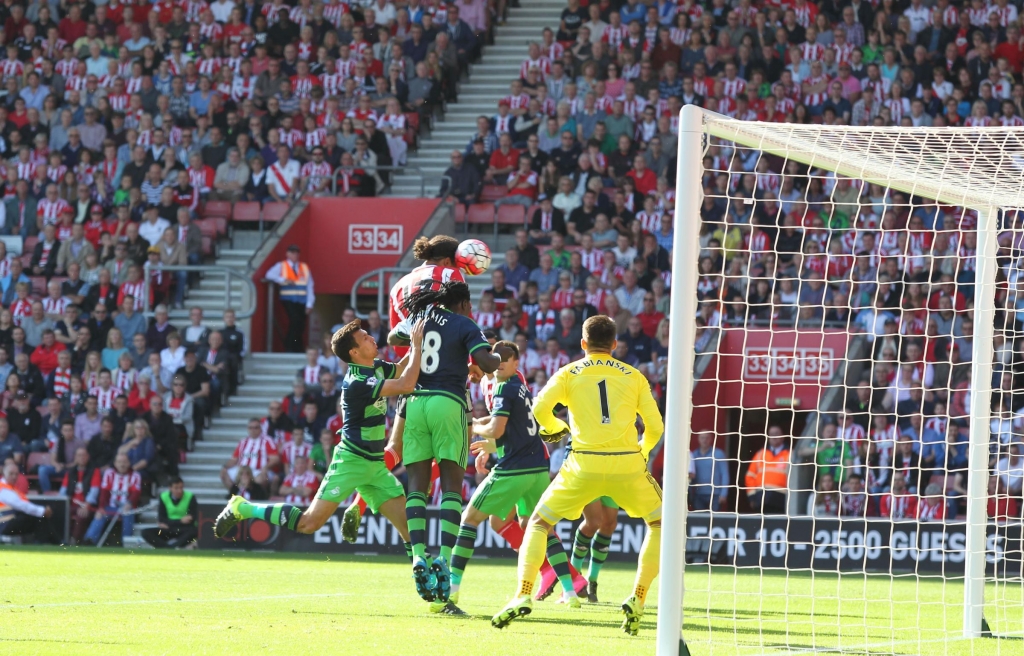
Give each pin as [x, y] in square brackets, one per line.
[221, 223]
[460, 214]
[29, 244]
[38, 285]
[216, 208]
[513, 215]
[245, 212]
[274, 212]
[207, 227]
[492, 193]
[208, 248]
[480, 214]
[36, 459]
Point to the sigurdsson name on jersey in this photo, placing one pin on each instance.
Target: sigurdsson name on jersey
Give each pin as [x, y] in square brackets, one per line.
[610, 362]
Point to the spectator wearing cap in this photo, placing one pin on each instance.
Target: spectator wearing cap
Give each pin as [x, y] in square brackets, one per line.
[461, 181]
[297, 296]
[546, 221]
[478, 157]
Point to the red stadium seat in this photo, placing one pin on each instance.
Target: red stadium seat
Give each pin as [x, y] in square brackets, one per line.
[245, 212]
[221, 224]
[216, 208]
[36, 459]
[207, 227]
[274, 212]
[208, 247]
[511, 215]
[492, 193]
[480, 214]
[29, 244]
[460, 213]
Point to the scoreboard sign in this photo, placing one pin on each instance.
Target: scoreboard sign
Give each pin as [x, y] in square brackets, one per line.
[788, 364]
[763, 368]
[371, 239]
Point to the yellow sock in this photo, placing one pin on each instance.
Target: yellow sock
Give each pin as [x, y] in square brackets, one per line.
[531, 556]
[647, 569]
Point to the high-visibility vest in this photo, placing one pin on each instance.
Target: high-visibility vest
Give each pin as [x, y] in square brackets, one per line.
[6, 512]
[296, 283]
[768, 470]
[175, 510]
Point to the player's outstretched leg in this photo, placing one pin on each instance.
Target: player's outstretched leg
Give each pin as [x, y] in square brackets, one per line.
[284, 515]
[530, 557]
[238, 509]
[650, 553]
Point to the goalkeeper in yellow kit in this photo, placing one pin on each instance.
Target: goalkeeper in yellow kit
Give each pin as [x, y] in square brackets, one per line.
[604, 396]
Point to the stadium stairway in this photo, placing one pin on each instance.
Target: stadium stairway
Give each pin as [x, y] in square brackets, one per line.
[489, 80]
[268, 376]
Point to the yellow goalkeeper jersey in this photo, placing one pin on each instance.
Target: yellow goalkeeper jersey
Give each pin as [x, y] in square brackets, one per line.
[604, 396]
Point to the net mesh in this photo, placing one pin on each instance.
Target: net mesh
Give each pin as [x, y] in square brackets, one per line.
[829, 475]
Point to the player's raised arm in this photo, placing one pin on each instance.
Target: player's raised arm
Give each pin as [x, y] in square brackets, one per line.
[409, 366]
[648, 410]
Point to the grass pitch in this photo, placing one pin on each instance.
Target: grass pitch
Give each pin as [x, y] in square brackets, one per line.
[116, 602]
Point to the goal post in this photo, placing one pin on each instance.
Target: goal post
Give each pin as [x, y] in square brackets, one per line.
[980, 171]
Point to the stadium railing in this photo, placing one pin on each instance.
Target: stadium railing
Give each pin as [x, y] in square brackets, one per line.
[241, 311]
[414, 171]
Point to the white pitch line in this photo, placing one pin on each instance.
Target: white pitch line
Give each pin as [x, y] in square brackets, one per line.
[219, 600]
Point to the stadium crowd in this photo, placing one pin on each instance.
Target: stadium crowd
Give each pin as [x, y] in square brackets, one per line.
[121, 120]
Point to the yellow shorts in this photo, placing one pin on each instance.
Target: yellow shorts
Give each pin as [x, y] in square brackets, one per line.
[585, 477]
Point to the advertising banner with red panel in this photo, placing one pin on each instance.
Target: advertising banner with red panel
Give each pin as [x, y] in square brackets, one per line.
[773, 368]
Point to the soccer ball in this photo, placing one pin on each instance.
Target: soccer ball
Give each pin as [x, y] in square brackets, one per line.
[473, 257]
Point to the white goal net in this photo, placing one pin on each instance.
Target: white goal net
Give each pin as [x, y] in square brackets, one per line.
[855, 434]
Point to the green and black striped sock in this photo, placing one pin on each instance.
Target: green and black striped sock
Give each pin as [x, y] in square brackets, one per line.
[580, 549]
[560, 563]
[416, 516]
[463, 551]
[279, 514]
[451, 514]
[598, 554]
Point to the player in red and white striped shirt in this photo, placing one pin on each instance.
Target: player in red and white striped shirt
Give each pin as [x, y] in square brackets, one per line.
[256, 451]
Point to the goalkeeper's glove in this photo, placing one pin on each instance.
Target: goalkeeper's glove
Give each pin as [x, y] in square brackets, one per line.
[552, 438]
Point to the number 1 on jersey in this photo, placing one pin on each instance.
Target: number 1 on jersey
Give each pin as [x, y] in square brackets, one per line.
[602, 387]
